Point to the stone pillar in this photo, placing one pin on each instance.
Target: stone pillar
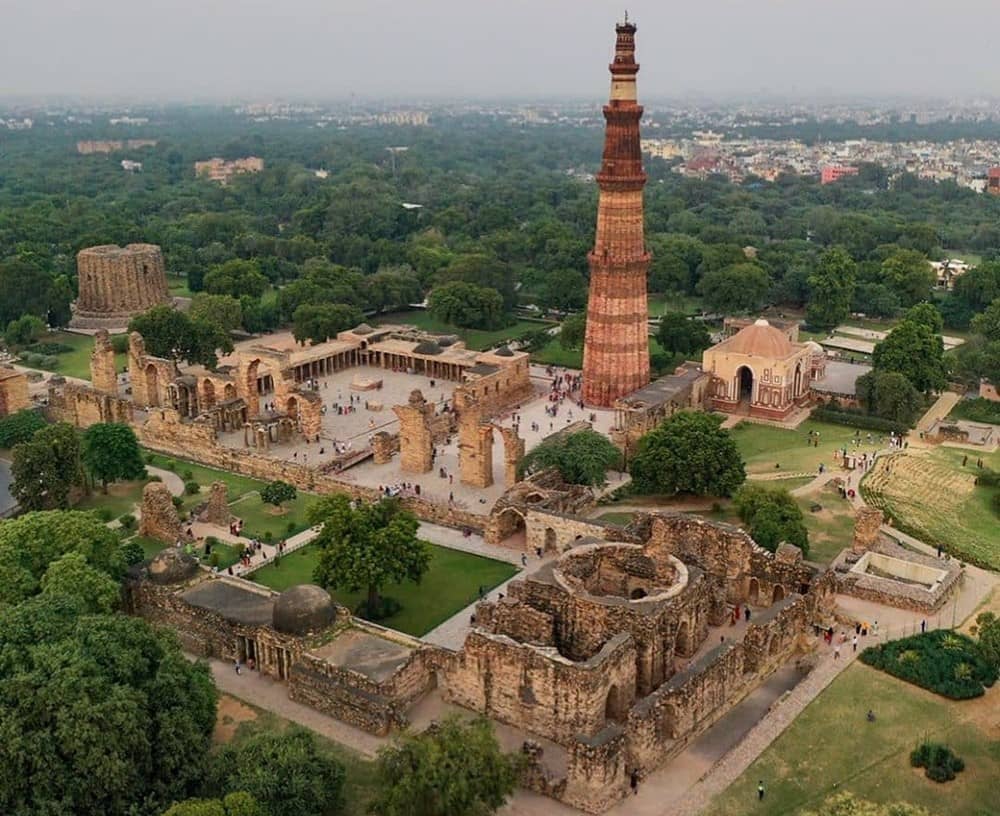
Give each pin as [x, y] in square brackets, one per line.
[382, 448]
[867, 522]
[159, 516]
[103, 374]
[513, 453]
[137, 369]
[416, 435]
[597, 776]
[217, 509]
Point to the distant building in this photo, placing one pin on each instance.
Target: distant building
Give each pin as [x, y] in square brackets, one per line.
[835, 172]
[946, 271]
[130, 166]
[86, 148]
[220, 170]
[993, 181]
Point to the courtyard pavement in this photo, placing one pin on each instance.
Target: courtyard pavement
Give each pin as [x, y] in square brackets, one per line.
[356, 428]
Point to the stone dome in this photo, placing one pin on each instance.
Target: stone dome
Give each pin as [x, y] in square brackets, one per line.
[760, 340]
[814, 347]
[171, 566]
[302, 609]
[504, 351]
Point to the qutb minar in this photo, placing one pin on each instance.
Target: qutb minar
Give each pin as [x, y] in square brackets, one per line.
[616, 350]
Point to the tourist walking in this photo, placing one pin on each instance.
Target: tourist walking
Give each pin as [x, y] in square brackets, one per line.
[237, 665]
[634, 782]
[836, 652]
[760, 791]
[854, 643]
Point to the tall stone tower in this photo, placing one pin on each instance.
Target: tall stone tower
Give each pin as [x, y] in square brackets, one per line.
[616, 349]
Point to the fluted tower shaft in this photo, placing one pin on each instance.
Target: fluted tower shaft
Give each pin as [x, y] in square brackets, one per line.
[616, 349]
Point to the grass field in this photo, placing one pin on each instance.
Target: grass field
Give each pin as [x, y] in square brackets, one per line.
[451, 584]
[121, 498]
[229, 554]
[474, 338]
[766, 449]
[935, 499]
[76, 363]
[238, 485]
[554, 354]
[674, 302]
[830, 529]
[258, 518]
[830, 748]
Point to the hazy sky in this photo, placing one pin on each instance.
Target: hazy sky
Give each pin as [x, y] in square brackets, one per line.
[520, 48]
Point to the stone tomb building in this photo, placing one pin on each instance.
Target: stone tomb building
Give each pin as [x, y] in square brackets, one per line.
[607, 655]
[117, 283]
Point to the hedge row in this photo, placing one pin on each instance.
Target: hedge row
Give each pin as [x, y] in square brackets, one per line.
[863, 421]
[946, 662]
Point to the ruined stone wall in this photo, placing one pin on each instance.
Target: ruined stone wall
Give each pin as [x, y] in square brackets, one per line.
[82, 406]
[103, 374]
[13, 391]
[496, 392]
[867, 523]
[416, 436]
[538, 690]
[556, 532]
[353, 698]
[159, 518]
[598, 775]
[149, 377]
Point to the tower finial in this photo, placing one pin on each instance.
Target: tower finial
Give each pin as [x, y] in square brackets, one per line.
[626, 16]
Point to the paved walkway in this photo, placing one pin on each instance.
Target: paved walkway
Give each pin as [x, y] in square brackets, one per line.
[939, 410]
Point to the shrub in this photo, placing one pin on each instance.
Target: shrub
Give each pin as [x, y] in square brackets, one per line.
[127, 521]
[131, 552]
[177, 501]
[268, 536]
[939, 762]
[948, 663]
[170, 464]
[119, 342]
[104, 514]
[156, 478]
[215, 558]
[150, 458]
[188, 475]
[290, 528]
[978, 410]
[840, 416]
[988, 478]
[192, 488]
[48, 348]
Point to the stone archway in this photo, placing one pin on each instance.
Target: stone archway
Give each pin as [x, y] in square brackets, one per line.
[551, 544]
[615, 709]
[744, 384]
[152, 385]
[753, 593]
[778, 594]
[797, 380]
[208, 394]
[510, 524]
[229, 392]
[292, 408]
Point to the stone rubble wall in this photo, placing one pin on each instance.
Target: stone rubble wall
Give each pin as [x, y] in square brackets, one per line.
[82, 406]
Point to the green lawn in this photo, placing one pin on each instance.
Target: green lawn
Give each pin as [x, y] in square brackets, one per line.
[934, 497]
[229, 554]
[830, 529]
[258, 518]
[178, 286]
[830, 747]
[554, 354]
[121, 498]
[616, 518]
[451, 583]
[76, 363]
[474, 338]
[238, 485]
[977, 410]
[674, 302]
[764, 447]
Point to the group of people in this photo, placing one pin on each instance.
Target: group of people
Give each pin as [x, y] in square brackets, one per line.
[401, 489]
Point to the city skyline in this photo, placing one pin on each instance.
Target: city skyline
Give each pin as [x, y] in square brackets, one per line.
[443, 48]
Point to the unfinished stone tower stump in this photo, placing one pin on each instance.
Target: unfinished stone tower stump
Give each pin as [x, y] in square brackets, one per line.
[103, 374]
[159, 516]
[867, 522]
[416, 434]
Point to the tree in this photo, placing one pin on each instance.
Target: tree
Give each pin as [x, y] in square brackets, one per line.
[323, 282]
[318, 322]
[466, 305]
[172, 334]
[738, 288]
[875, 299]
[111, 452]
[20, 427]
[909, 274]
[233, 804]
[277, 493]
[367, 547]
[30, 543]
[831, 288]
[688, 453]
[224, 311]
[988, 633]
[669, 272]
[573, 331]
[454, 768]
[45, 469]
[24, 331]
[484, 272]
[913, 350]
[772, 516]
[890, 395]
[26, 288]
[236, 278]
[927, 315]
[286, 773]
[93, 590]
[988, 323]
[581, 458]
[678, 334]
[565, 290]
[109, 713]
[393, 287]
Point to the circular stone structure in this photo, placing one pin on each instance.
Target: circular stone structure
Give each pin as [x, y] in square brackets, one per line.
[117, 283]
[171, 566]
[302, 609]
[618, 572]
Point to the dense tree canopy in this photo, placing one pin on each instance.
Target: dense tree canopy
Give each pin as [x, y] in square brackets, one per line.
[111, 452]
[581, 458]
[688, 453]
[679, 334]
[467, 305]
[454, 768]
[277, 493]
[740, 288]
[772, 516]
[831, 288]
[318, 322]
[175, 335]
[45, 469]
[915, 351]
[889, 395]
